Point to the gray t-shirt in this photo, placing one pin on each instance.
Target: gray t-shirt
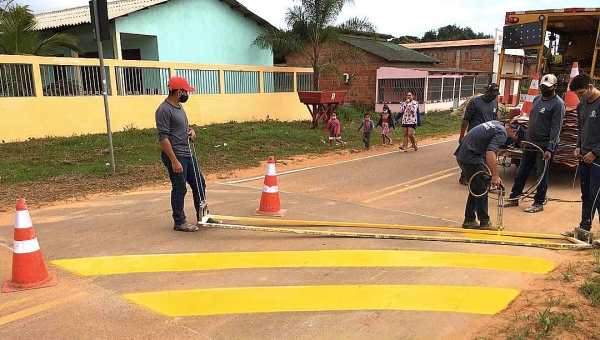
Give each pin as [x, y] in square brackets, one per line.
[482, 138]
[479, 111]
[172, 123]
[545, 122]
[588, 138]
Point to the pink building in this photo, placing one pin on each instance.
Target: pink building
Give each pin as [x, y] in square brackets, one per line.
[435, 89]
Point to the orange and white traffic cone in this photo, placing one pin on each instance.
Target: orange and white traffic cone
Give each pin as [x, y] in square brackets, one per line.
[531, 94]
[269, 201]
[28, 269]
[571, 98]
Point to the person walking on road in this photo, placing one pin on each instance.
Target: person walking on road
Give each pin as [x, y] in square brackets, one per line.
[335, 131]
[368, 127]
[408, 111]
[479, 110]
[588, 148]
[174, 133]
[482, 142]
[545, 122]
[386, 123]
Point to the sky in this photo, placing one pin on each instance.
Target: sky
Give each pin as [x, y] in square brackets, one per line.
[394, 17]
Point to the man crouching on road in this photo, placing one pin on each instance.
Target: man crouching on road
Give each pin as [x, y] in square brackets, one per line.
[481, 142]
[173, 133]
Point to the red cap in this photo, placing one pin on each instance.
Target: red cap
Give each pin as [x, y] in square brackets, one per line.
[179, 83]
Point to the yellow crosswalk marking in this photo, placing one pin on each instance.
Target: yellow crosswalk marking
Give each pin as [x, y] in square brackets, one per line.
[474, 300]
[112, 265]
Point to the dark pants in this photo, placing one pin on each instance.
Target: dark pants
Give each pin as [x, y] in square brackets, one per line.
[589, 177]
[179, 189]
[532, 160]
[367, 139]
[476, 206]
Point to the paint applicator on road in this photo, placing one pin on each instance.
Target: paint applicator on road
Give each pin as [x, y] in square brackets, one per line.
[202, 212]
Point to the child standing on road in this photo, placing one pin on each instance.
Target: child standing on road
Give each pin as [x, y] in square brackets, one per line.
[368, 127]
[386, 122]
[334, 128]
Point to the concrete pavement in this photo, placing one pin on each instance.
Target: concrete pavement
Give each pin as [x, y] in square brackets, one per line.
[412, 188]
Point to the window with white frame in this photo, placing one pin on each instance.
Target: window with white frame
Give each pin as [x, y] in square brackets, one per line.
[434, 90]
[448, 90]
[466, 87]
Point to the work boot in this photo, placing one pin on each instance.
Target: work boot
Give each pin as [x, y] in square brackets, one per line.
[510, 203]
[534, 208]
[488, 225]
[470, 225]
[185, 226]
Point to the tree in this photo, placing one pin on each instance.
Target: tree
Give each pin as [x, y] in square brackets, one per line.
[406, 39]
[312, 28]
[453, 32]
[18, 34]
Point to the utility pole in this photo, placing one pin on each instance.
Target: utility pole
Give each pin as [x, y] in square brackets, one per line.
[98, 37]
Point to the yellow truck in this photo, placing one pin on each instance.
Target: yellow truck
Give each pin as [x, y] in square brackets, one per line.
[559, 37]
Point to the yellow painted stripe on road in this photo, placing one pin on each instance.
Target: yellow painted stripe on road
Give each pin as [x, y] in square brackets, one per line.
[473, 300]
[403, 184]
[40, 308]
[97, 266]
[505, 238]
[16, 302]
[391, 193]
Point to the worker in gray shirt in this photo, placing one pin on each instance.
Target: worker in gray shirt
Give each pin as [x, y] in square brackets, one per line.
[545, 122]
[588, 148]
[174, 133]
[482, 142]
[479, 110]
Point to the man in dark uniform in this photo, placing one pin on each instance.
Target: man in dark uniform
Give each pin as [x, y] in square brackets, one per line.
[482, 142]
[479, 110]
[545, 122]
[588, 148]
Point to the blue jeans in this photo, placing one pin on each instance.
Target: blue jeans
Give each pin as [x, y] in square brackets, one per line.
[179, 189]
[476, 206]
[532, 159]
[589, 178]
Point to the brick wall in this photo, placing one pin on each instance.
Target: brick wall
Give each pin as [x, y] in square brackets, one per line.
[361, 90]
[476, 58]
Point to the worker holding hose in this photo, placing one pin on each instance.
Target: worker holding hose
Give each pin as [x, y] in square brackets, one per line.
[543, 131]
[481, 142]
[588, 149]
[174, 134]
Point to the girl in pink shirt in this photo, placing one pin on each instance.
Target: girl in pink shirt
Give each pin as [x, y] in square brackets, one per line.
[335, 130]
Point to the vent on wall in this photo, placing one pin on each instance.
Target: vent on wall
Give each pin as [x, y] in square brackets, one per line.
[476, 60]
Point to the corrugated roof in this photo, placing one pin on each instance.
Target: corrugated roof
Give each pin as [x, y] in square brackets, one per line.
[81, 15]
[453, 43]
[389, 51]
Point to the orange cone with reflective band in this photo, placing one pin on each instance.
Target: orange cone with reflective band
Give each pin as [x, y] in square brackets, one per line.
[531, 94]
[571, 98]
[29, 269]
[269, 201]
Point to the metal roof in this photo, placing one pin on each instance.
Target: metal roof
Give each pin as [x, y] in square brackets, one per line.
[81, 15]
[453, 43]
[388, 50]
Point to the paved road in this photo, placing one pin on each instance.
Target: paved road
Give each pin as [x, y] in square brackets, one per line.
[224, 284]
